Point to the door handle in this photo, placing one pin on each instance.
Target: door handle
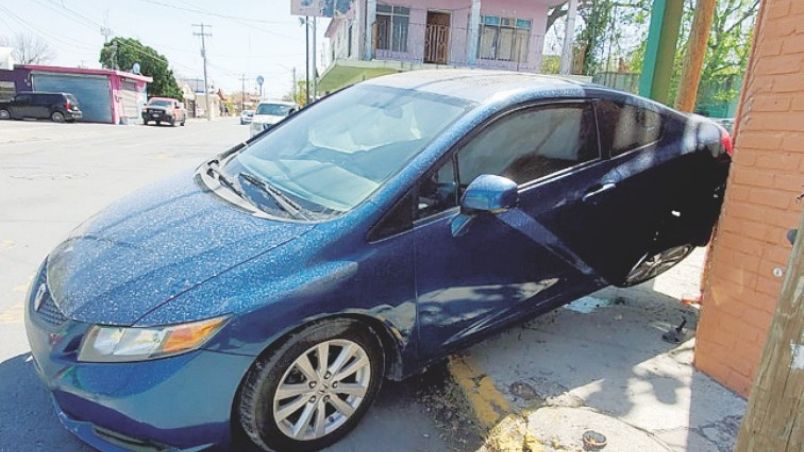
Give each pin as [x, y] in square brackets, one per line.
[598, 189]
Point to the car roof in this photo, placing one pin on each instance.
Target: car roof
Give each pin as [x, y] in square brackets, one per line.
[480, 86]
[49, 93]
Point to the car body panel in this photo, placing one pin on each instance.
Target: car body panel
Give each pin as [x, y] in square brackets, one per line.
[176, 252]
[91, 272]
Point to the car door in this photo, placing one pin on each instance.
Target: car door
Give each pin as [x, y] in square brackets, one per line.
[513, 263]
[21, 106]
[40, 106]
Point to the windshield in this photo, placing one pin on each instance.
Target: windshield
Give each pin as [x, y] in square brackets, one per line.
[335, 153]
[160, 103]
[273, 109]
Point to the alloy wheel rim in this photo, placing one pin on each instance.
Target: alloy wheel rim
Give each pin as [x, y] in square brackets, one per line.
[657, 263]
[322, 389]
[4, 114]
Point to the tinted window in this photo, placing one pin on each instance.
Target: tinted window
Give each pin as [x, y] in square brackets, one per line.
[531, 144]
[23, 99]
[625, 127]
[437, 191]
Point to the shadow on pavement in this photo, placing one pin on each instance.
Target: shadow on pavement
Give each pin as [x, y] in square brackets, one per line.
[27, 418]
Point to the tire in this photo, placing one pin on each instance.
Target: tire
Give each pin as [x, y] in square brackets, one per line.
[655, 263]
[5, 114]
[184, 120]
[270, 421]
[57, 116]
[172, 122]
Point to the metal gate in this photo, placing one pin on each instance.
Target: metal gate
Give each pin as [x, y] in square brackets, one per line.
[92, 91]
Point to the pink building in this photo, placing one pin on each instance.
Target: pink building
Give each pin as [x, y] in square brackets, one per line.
[105, 95]
[415, 34]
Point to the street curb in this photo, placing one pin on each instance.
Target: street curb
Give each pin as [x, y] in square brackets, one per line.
[488, 404]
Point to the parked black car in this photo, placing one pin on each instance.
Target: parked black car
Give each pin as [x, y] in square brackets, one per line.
[59, 107]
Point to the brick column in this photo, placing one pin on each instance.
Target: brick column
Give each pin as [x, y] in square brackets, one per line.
[767, 174]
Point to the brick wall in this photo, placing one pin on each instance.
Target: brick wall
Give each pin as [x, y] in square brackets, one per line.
[767, 174]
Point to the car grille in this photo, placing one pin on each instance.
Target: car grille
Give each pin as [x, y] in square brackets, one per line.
[49, 313]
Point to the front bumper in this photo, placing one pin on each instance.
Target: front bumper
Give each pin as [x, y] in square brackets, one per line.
[74, 115]
[181, 402]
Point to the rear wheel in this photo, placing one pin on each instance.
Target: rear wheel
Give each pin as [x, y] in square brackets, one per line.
[4, 114]
[656, 263]
[312, 390]
[57, 116]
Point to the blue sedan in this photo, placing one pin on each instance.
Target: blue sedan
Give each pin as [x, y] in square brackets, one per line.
[267, 293]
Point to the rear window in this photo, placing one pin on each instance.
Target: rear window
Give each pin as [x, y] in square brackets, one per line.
[625, 127]
[72, 99]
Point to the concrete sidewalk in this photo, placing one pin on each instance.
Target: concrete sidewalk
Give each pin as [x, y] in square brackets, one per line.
[600, 364]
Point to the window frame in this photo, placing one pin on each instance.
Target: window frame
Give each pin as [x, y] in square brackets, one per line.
[390, 32]
[451, 156]
[541, 104]
[516, 24]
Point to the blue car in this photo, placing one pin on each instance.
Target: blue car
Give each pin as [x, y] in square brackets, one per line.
[269, 292]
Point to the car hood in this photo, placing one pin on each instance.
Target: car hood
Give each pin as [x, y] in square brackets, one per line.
[267, 119]
[151, 246]
[156, 107]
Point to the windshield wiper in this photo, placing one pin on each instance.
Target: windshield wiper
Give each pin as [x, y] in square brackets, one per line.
[214, 171]
[282, 200]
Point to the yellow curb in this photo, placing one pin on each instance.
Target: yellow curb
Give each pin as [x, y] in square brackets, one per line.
[488, 404]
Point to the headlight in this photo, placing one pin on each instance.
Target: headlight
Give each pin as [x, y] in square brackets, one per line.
[120, 344]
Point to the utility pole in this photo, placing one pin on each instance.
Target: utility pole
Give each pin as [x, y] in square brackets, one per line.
[565, 66]
[306, 60]
[203, 35]
[315, 61]
[243, 92]
[694, 58]
[294, 87]
[774, 419]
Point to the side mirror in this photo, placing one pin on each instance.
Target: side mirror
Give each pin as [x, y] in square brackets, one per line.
[487, 193]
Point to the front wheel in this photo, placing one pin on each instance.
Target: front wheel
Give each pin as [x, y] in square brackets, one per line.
[312, 390]
[655, 263]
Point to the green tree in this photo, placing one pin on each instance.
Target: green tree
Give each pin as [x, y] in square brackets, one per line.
[122, 53]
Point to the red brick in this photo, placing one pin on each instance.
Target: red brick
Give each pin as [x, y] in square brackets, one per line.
[737, 192]
[761, 321]
[783, 218]
[768, 197]
[780, 64]
[778, 254]
[793, 142]
[791, 46]
[785, 26]
[798, 103]
[766, 268]
[778, 9]
[744, 244]
[786, 121]
[769, 286]
[797, 8]
[771, 103]
[787, 83]
[789, 182]
[760, 140]
[775, 235]
[751, 176]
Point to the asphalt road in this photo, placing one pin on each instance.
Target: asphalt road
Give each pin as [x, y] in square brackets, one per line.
[52, 177]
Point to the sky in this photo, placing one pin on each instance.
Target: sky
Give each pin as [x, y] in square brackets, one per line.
[251, 37]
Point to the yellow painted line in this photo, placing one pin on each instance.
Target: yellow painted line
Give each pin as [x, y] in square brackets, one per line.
[14, 314]
[488, 404]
